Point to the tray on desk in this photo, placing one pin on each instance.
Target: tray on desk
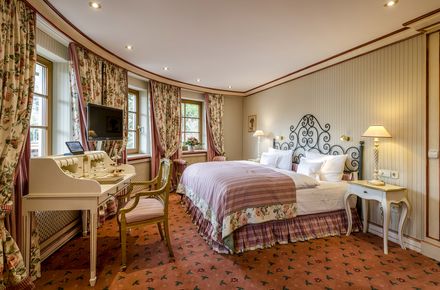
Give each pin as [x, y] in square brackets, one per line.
[108, 179]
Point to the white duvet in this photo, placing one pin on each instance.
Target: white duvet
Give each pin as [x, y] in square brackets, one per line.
[314, 196]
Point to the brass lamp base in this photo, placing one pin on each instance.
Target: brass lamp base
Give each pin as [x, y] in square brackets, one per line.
[376, 182]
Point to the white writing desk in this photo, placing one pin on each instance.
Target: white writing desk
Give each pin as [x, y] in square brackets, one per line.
[51, 189]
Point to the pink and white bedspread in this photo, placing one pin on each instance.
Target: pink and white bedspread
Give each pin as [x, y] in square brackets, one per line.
[233, 194]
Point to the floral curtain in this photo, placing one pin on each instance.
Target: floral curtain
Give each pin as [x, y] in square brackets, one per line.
[115, 87]
[17, 65]
[95, 80]
[165, 119]
[214, 124]
[86, 87]
[21, 188]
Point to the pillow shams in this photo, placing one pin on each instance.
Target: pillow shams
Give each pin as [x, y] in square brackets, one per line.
[269, 159]
[333, 167]
[284, 158]
[310, 167]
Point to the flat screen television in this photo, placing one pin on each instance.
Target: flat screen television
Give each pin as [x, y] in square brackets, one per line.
[104, 123]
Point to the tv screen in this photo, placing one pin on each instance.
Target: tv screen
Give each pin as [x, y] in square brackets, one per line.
[104, 123]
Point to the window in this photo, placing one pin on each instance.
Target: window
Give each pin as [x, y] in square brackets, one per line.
[133, 122]
[191, 120]
[39, 127]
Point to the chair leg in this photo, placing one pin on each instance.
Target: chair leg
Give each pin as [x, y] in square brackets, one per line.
[123, 247]
[120, 235]
[167, 235]
[159, 227]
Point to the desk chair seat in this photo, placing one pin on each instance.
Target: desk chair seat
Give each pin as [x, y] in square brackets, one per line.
[147, 208]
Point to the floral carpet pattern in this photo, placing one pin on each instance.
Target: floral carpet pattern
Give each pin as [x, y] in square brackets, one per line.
[354, 262]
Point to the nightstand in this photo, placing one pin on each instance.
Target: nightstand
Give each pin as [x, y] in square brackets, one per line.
[385, 195]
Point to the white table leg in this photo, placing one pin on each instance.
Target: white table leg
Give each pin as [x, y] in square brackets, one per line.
[84, 222]
[406, 207]
[93, 245]
[386, 222]
[348, 211]
[365, 215]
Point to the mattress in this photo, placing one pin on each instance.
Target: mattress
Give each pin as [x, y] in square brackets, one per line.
[326, 197]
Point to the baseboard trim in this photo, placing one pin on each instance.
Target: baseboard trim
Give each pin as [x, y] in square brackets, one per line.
[431, 248]
[409, 242]
[60, 239]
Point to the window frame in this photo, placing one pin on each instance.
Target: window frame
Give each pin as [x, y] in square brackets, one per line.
[48, 64]
[136, 130]
[200, 105]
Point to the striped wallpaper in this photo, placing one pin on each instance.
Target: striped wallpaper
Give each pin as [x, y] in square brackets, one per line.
[386, 86]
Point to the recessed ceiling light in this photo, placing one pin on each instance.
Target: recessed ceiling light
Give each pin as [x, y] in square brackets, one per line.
[198, 80]
[391, 3]
[165, 68]
[129, 47]
[94, 5]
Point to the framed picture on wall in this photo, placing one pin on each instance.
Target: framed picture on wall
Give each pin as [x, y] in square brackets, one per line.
[252, 123]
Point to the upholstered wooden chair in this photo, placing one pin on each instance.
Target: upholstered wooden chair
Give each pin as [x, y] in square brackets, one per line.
[148, 207]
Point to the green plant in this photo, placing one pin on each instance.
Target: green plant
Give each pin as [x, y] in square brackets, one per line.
[192, 141]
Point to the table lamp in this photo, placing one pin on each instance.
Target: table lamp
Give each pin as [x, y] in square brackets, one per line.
[376, 132]
[258, 134]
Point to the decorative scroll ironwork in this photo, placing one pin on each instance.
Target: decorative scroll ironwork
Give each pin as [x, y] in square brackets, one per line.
[309, 135]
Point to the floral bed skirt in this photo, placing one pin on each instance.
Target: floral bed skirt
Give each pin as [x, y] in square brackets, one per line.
[265, 235]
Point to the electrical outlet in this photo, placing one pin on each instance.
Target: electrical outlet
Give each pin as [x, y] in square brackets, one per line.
[395, 174]
[385, 173]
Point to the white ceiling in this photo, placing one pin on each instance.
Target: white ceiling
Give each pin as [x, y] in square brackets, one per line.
[241, 43]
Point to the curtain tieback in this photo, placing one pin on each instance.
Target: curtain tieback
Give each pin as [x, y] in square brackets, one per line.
[6, 208]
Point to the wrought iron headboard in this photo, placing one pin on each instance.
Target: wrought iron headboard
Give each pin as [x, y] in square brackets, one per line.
[309, 135]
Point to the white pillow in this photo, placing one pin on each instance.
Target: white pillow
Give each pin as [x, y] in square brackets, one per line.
[333, 167]
[303, 181]
[269, 159]
[284, 158]
[310, 167]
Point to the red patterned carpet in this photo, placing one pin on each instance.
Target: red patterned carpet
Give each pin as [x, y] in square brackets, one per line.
[355, 262]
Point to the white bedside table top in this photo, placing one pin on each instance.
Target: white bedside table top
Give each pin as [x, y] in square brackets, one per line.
[386, 187]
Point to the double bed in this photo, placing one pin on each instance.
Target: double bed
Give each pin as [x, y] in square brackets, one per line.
[243, 205]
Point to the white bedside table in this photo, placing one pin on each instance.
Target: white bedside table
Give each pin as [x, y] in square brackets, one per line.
[385, 195]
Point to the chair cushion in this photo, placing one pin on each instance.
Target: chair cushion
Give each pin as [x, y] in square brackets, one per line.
[147, 208]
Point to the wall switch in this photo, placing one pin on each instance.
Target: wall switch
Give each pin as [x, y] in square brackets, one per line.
[433, 154]
[394, 174]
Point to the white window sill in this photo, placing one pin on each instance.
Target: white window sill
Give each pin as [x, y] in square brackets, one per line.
[187, 152]
[138, 156]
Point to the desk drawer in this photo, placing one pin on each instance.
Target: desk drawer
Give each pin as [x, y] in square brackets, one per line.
[366, 192]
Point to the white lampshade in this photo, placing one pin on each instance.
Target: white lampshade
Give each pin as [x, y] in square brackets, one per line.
[377, 131]
[259, 133]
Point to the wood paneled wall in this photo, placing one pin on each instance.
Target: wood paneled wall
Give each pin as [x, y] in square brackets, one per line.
[385, 87]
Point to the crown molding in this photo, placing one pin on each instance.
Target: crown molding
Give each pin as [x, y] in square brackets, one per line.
[422, 24]
[52, 16]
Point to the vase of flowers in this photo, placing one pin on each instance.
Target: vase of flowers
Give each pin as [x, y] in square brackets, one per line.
[191, 142]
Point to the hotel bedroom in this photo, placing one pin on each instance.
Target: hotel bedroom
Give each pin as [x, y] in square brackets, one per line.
[220, 144]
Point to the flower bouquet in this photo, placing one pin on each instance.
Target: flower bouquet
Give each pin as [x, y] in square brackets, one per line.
[191, 142]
